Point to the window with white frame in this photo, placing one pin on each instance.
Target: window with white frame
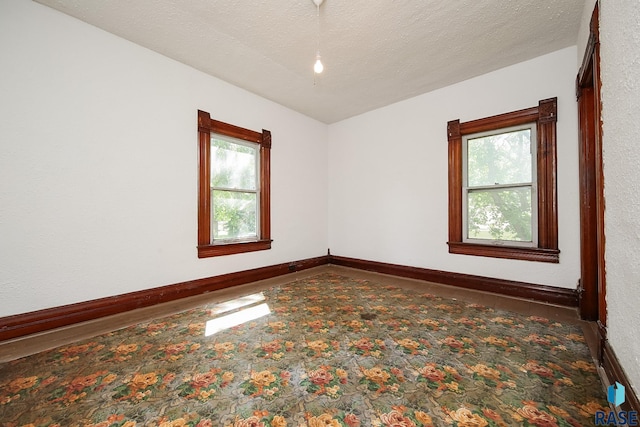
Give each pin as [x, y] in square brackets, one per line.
[235, 189]
[499, 192]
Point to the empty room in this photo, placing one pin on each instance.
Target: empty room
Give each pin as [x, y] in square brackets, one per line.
[319, 213]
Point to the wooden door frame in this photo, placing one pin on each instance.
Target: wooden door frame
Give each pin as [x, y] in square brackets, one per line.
[592, 288]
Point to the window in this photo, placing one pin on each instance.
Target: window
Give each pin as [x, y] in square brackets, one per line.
[498, 187]
[502, 185]
[233, 193]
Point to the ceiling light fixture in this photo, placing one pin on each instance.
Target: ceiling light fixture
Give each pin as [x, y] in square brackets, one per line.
[317, 66]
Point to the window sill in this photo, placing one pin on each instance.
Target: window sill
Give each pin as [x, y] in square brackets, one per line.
[207, 251]
[508, 252]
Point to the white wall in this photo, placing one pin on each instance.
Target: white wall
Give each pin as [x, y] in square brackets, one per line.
[620, 73]
[98, 165]
[388, 173]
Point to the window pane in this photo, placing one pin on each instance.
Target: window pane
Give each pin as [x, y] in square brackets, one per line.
[233, 165]
[499, 159]
[500, 214]
[233, 215]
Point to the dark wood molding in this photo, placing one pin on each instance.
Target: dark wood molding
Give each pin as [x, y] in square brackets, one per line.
[265, 187]
[204, 179]
[592, 42]
[207, 126]
[206, 251]
[541, 293]
[507, 252]
[602, 333]
[513, 118]
[615, 372]
[453, 129]
[593, 303]
[43, 320]
[266, 138]
[545, 115]
[233, 131]
[455, 181]
[547, 180]
[548, 110]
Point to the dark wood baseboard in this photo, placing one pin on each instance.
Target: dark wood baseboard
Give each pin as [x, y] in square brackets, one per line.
[542, 293]
[43, 320]
[615, 372]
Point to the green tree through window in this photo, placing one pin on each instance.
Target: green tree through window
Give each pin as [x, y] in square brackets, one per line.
[500, 173]
[234, 188]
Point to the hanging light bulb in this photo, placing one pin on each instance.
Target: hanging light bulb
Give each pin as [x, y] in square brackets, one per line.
[318, 67]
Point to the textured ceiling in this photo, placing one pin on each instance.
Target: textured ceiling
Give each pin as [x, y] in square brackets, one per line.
[375, 52]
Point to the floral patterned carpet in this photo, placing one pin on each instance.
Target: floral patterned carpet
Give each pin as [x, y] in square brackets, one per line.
[333, 351]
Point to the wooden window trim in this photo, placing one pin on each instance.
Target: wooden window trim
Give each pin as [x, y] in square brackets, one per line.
[207, 126]
[545, 115]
